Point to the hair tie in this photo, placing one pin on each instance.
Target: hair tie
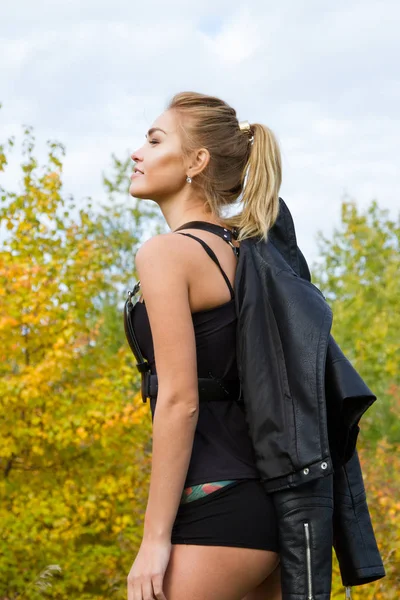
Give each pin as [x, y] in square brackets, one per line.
[245, 126]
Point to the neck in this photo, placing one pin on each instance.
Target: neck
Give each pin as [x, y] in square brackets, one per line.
[177, 216]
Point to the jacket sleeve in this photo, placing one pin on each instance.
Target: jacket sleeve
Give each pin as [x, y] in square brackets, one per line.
[353, 535]
[347, 398]
[305, 539]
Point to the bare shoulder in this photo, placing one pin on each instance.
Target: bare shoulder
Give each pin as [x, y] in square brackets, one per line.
[163, 275]
[165, 249]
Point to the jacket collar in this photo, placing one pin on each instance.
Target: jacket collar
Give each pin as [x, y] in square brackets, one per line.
[283, 236]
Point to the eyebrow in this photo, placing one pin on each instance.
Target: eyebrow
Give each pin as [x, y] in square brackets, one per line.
[153, 129]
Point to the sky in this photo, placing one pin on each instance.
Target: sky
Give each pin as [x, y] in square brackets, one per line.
[325, 78]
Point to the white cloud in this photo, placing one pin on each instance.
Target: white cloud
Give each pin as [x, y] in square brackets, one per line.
[238, 39]
[95, 75]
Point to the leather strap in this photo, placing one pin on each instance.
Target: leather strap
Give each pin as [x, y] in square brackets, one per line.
[141, 364]
[212, 255]
[210, 388]
[222, 232]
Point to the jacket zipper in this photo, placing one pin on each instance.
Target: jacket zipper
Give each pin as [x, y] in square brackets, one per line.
[308, 561]
[348, 592]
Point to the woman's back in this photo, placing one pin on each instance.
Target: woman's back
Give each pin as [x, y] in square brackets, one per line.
[222, 447]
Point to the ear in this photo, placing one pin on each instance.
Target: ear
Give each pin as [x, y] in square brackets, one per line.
[198, 161]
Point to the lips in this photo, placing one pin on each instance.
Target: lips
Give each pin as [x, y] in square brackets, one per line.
[136, 173]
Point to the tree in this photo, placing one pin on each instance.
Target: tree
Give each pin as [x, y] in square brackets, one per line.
[75, 438]
[381, 472]
[359, 272]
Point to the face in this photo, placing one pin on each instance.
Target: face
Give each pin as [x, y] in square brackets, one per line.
[160, 168]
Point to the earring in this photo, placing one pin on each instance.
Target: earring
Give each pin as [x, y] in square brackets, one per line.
[189, 179]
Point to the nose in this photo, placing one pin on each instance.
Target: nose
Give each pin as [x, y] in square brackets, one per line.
[136, 156]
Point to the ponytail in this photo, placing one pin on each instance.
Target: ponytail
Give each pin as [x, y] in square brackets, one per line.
[260, 195]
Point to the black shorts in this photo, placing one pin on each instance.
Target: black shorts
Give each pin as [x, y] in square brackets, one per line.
[239, 514]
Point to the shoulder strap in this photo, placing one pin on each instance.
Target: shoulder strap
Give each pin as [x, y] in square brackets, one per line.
[212, 255]
[222, 232]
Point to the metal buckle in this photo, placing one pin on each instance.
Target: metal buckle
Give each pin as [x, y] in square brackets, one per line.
[235, 248]
[132, 293]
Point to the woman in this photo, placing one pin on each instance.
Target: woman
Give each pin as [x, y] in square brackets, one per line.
[210, 530]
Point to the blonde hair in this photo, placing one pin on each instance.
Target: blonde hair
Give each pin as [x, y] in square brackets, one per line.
[208, 122]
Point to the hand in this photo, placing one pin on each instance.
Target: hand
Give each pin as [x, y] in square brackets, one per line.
[146, 576]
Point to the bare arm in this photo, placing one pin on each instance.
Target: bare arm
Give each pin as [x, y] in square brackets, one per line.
[163, 273]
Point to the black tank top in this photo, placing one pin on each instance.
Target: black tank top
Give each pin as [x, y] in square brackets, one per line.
[222, 447]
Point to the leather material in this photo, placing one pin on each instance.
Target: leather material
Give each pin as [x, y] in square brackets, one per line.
[210, 389]
[306, 559]
[284, 321]
[347, 398]
[283, 342]
[354, 540]
[303, 402]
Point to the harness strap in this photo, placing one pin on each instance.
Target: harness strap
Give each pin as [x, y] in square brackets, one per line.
[210, 388]
[222, 232]
[212, 255]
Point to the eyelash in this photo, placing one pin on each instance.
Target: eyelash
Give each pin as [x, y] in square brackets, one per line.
[153, 142]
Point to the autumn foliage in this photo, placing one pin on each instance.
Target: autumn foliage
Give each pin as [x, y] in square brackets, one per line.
[359, 272]
[75, 437]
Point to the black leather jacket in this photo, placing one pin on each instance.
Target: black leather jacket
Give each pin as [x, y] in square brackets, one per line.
[303, 403]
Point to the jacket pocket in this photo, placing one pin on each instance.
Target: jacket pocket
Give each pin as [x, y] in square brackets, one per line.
[307, 542]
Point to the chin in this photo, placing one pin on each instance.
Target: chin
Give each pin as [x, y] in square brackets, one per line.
[135, 191]
[140, 195]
